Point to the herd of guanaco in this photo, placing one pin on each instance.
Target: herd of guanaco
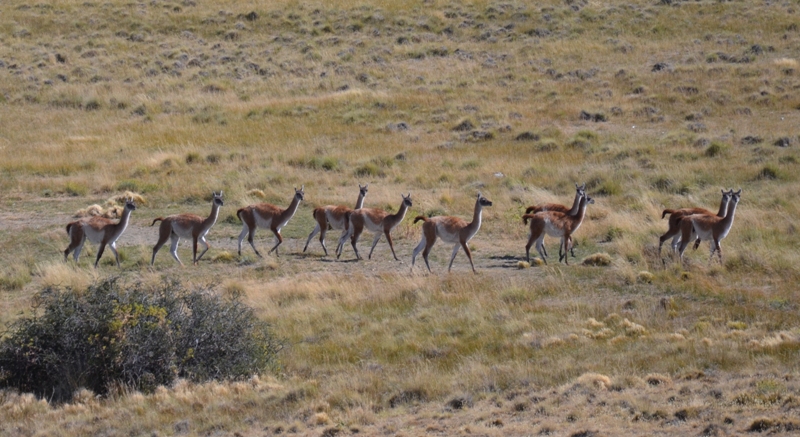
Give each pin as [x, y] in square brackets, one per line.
[555, 220]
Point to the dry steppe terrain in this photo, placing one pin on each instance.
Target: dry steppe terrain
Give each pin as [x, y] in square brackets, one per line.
[653, 104]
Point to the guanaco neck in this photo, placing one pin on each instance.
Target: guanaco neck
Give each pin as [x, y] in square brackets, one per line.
[576, 204]
[209, 222]
[581, 213]
[394, 219]
[723, 206]
[360, 200]
[475, 225]
[727, 221]
[289, 211]
[119, 228]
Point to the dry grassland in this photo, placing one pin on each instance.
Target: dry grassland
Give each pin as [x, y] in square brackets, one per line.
[654, 104]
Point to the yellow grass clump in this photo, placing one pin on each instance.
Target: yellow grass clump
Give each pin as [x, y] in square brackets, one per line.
[595, 380]
[597, 259]
[653, 105]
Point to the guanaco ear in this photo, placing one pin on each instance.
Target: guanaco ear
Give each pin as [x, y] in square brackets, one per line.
[302, 187]
[739, 192]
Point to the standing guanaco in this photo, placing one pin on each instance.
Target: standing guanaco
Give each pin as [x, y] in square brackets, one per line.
[192, 226]
[265, 215]
[555, 224]
[333, 217]
[709, 227]
[98, 230]
[450, 229]
[580, 190]
[676, 215]
[376, 220]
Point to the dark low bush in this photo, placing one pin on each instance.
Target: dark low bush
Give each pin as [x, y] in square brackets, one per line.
[130, 335]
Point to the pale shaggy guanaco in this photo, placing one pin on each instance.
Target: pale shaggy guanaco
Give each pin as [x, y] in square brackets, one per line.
[555, 224]
[676, 215]
[268, 216]
[376, 220]
[192, 226]
[98, 230]
[450, 229]
[333, 217]
[708, 227]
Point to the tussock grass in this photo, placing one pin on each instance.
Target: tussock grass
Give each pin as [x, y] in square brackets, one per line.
[174, 100]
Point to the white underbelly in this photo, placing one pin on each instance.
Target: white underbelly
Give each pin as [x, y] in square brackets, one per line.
[336, 223]
[182, 232]
[704, 234]
[553, 230]
[445, 235]
[372, 226]
[94, 235]
[261, 222]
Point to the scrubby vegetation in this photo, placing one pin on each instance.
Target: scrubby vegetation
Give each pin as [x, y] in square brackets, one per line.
[119, 336]
[654, 104]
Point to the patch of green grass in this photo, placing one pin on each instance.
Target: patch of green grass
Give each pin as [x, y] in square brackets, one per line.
[75, 189]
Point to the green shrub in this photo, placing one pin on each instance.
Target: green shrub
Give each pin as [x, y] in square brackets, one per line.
[768, 173]
[715, 149]
[192, 157]
[369, 169]
[316, 163]
[115, 334]
[75, 189]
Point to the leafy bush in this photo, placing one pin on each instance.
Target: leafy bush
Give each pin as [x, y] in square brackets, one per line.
[131, 335]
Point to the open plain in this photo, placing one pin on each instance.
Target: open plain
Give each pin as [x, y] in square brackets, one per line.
[653, 104]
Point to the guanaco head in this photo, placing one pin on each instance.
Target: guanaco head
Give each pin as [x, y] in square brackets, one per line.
[726, 195]
[406, 200]
[362, 190]
[589, 200]
[483, 201]
[299, 194]
[217, 198]
[129, 204]
[580, 189]
[735, 196]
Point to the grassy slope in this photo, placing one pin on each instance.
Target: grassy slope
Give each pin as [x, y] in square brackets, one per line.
[176, 99]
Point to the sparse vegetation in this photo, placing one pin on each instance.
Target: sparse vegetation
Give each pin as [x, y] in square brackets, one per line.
[654, 104]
